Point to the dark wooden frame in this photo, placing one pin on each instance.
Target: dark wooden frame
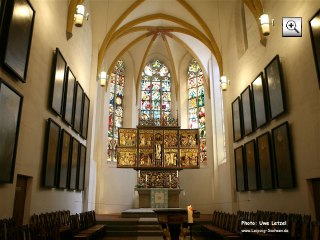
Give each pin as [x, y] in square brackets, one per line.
[65, 148]
[247, 113]
[11, 103]
[315, 40]
[265, 158]
[2, 7]
[81, 172]
[78, 106]
[69, 95]
[283, 156]
[252, 165]
[275, 87]
[17, 38]
[51, 155]
[58, 77]
[73, 165]
[85, 116]
[236, 119]
[259, 106]
[240, 169]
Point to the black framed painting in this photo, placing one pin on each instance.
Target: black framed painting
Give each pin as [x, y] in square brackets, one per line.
[283, 156]
[69, 97]
[265, 161]
[240, 167]
[73, 164]
[51, 154]
[81, 167]
[260, 112]
[10, 109]
[59, 68]
[275, 88]
[246, 107]
[65, 146]
[85, 116]
[315, 40]
[236, 119]
[252, 165]
[17, 33]
[78, 108]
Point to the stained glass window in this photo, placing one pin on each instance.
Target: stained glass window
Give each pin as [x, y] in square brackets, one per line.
[155, 92]
[115, 108]
[196, 106]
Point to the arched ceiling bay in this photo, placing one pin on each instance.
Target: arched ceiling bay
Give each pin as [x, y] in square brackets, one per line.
[148, 27]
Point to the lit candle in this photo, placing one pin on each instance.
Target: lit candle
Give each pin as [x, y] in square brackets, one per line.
[190, 214]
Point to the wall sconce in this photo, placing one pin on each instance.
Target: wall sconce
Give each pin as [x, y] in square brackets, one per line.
[224, 83]
[265, 24]
[103, 78]
[80, 15]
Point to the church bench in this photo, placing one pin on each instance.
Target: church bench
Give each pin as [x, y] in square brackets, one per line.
[84, 226]
[223, 226]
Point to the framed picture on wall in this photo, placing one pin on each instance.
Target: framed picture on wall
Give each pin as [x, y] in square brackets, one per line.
[283, 156]
[275, 87]
[69, 97]
[51, 154]
[246, 106]
[73, 164]
[57, 83]
[265, 161]
[81, 167]
[315, 40]
[78, 108]
[65, 147]
[17, 37]
[259, 101]
[252, 165]
[85, 116]
[236, 119]
[240, 169]
[10, 109]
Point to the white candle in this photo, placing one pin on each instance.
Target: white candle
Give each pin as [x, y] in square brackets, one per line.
[139, 173]
[190, 214]
[146, 178]
[177, 173]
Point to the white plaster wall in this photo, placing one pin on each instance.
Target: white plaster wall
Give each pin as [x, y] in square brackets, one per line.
[302, 96]
[49, 33]
[114, 186]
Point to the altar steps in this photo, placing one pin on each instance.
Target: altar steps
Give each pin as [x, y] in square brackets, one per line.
[120, 227]
[131, 227]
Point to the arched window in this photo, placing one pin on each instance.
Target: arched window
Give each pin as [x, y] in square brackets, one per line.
[115, 108]
[155, 93]
[196, 106]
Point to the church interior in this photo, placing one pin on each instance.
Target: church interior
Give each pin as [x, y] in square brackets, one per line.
[114, 106]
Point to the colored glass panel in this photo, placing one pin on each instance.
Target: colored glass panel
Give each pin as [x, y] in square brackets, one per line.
[196, 105]
[115, 119]
[155, 91]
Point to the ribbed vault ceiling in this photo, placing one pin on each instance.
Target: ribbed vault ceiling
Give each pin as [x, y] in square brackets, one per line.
[147, 29]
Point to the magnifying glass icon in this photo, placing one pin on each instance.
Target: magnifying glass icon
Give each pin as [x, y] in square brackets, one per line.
[292, 26]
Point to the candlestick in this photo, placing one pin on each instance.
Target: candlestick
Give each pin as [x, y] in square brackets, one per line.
[190, 214]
